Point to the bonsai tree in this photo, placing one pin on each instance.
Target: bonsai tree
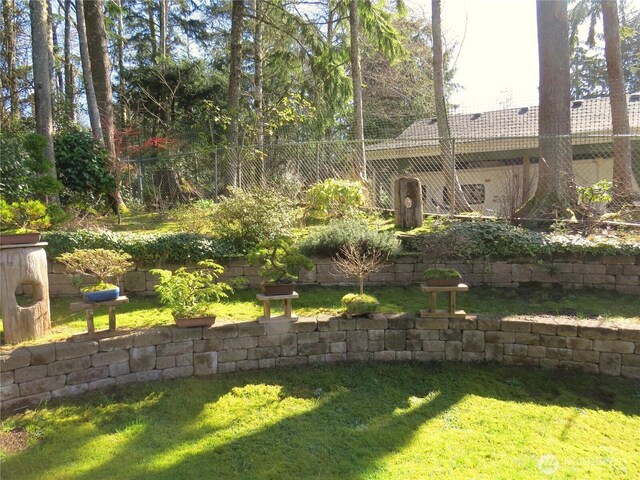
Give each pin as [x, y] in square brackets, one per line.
[99, 263]
[357, 262]
[442, 277]
[26, 216]
[189, 294]
[280, 261]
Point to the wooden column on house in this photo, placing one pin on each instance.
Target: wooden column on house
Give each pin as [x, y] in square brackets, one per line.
[24, 264]
[408, 202]
[526, 178]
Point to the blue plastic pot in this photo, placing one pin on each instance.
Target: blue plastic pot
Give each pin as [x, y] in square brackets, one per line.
[102, 295]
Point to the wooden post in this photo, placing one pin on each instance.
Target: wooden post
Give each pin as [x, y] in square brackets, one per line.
[24, 265]
[408, 202]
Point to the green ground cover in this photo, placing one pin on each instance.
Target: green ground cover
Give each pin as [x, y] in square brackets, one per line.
[364, 421]
[143, 312]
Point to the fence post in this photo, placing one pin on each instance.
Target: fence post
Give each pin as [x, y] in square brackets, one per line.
[140, 181]
[452, 195]
[215, 162]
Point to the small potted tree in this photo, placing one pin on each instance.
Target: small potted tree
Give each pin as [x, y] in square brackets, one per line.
[189, 295]
[20, 222]
[280, 263]
[101, 264]
[357, 262]
[442, 277]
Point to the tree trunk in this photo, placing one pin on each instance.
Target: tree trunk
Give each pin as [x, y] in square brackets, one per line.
[163, 27]
[622, 172]
[152, 30]
[42, 77]
[92, 104]
[56, 71]
[69, 83]
[122, 104]
[9, 40]
[356, 80]
[235, 71]
[556, 191]
[452, 188]
[101, 73]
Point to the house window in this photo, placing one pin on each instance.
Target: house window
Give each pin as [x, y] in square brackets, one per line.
[474, 193]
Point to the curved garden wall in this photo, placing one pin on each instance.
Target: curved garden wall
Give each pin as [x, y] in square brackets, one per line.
[33, 374]
[620, 273]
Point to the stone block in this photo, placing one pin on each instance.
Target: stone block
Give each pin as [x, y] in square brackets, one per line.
[135, 281]
[473, 357]
[615, 346]
[184, 360]
[590, 269]
[26, 374]
[473, 341]
[336, 357]
[377, 345]
[118, 369]
[20, 357]
[514, 349]
[186, 334]
[106, 358]
[401, 321]
[599, 279]
[566, 327]
[267, 363]
[317, 359]
[429, 356]
[357, 341]
[536, 351]
[6, 378]
[269, 341]
[121, 342]
[152, 337]
[520, 273]
[263, 352]
[102, 383]
[245, 365]
[579, 366]
[70, 390]
[453, 351]
[527, 339]
[488, 323]
[448, 335]
[432, 323]
[177, 372]
[577, 343]
[227, 367]
[304, 325]
[628, 280]
[626, 332]
[411, 345]
[559, 353]
[308, 337]
[312, 348]
[87, 375]
[240, 343]
[223, 330]
[516, 325]
[338, 347]
[42, 385]
[232, 355]
[548, 363]
[291, 361]
[148, 376]
[434, 345]
[42, 354]
[395, 339]
[68, 350]
[572, 278]
[610, 363]
[631, 359]
[9, 391]
[142, 358]
[630, 372]
[463, 323]
[379, 323]
[384, 356]
[340, 336]
[328, 324]
[546, 327]
[360, 356]
[494, 352]
[251, 329]
[347, 324]
[521, 361]
[289, 345]
[404, 356]
[70, 365]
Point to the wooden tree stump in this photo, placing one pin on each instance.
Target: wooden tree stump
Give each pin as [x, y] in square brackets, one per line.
[408, 202]
[24, 265]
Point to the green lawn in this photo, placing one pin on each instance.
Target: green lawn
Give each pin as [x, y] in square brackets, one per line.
[144, 312]
[353, 421]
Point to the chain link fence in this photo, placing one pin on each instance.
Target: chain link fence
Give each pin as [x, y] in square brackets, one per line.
[494, 175]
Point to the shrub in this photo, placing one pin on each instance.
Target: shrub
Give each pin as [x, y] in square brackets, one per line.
[334, 198]
[144, 248]
[329, 240]
[440, 273]
[279, 260]
[359, 304]
[23, 216]
[244, 218]
[196, 217]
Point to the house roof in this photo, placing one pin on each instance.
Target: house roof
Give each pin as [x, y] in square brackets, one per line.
[589, 117]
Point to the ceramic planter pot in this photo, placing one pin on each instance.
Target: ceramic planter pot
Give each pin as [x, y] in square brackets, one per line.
[278, 288]
[101, 295]
[195, 322]
[443, 282]
[19, 238]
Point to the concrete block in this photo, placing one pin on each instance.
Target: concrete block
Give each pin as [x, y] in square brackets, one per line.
[68, 350]
[473, 341]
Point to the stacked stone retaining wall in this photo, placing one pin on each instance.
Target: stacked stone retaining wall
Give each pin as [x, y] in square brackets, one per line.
[619, 273]
[29, 375]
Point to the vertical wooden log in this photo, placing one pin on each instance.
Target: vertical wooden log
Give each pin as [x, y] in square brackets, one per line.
[408, 202]
[25, 265]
